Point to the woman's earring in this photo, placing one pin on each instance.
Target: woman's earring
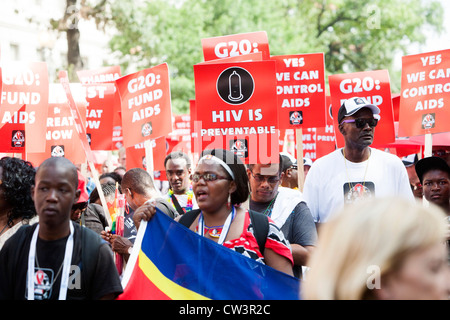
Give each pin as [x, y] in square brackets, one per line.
[229, 201]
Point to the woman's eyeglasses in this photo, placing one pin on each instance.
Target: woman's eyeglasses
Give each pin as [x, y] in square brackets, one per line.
[361, 123]
[207, 177]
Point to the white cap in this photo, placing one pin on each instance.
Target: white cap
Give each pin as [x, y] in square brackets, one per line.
[353, 105]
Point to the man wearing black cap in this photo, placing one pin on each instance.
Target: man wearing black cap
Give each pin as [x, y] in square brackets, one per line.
[355, 171]
[289, 168]
[434, 175]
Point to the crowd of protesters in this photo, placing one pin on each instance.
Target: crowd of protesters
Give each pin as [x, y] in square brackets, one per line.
[366, 226]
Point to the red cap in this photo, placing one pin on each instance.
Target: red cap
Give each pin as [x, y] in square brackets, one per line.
[84, 195]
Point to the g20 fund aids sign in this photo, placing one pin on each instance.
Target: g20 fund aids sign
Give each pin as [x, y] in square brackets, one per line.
[236, 107]
[24, 99]
[146, 105]
[425, 93]
[375, 87]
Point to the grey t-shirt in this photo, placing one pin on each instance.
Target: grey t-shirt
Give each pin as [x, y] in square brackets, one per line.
[299, 227]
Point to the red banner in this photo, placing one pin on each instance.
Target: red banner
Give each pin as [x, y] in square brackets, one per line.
[24, 102]
[375, 87]
[61, 137]
[100, 115]
[425, 98]
[300, 90]
[235, 105]
[180, 138]
[106, 75]
[80, 120]
[101, 75]
[317, 142]
[136, 155]
[236, 45]
[146, 106]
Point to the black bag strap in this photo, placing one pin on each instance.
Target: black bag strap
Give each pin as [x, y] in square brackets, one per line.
[177, 204]
[260, 224]
[188, 218]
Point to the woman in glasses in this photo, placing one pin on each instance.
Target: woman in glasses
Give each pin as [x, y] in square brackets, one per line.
[356, 171]
[16, 205]
[220, 186]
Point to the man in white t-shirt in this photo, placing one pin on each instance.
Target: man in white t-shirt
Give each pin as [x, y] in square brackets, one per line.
[356, 171]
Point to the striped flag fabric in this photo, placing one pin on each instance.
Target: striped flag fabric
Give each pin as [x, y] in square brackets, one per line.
[170, 262]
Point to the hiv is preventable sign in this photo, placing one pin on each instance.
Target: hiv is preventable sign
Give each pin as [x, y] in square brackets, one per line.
[235, 104]
[375, 87]
[146, 105]
[425, 94]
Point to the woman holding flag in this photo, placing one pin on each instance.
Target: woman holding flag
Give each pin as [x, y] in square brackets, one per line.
[220, 185]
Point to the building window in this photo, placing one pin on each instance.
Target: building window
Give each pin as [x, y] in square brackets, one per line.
[14, 50]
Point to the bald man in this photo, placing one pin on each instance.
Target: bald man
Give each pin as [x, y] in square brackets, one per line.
[56, 258]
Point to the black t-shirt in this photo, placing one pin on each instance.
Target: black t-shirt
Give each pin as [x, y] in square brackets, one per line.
[99, 276]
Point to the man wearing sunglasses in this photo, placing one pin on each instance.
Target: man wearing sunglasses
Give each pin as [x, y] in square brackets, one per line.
[286, 207]
[356, 171]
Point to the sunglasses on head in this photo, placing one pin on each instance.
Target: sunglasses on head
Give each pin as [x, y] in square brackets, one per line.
[361, 123]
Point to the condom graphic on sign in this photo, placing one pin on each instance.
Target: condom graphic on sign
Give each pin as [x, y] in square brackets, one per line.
[235, 85]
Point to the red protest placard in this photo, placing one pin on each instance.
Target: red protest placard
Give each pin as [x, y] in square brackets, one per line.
[235, 105]
[236, 45]
[300, 90]
[180, 138]
[425, 98]
[375, 87]
[146, 107]
[25, 84]
[136, 155]
[196, 141]
[317, 142]
[107, 75]
[13, 133]
[101, 75]
[325, 136]
[61, 137]
[100, 115]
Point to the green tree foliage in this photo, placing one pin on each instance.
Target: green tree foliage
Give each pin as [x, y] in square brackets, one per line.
[354, 35]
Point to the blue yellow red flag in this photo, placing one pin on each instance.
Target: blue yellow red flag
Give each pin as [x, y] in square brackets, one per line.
[170, 262]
